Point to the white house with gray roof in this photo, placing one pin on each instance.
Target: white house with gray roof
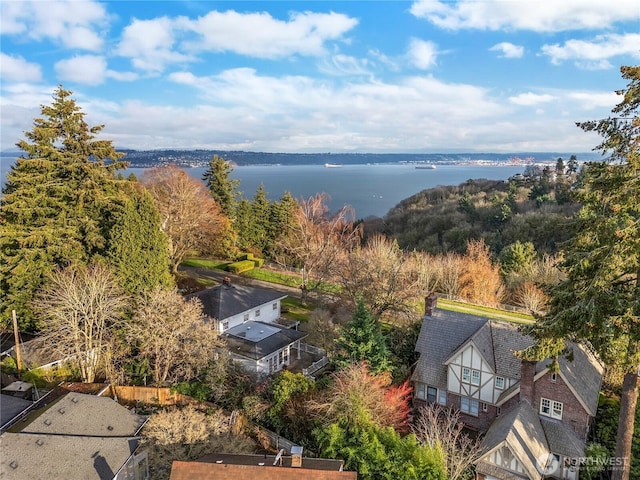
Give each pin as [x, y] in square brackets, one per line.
[467, 362]
[247, 317]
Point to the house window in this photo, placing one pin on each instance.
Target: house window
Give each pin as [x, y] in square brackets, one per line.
[554, 377]
[485, 407]
[499, 383]
[551, 408]
[470, 376]
[469, 405]
[443, 397]
[274, 306]
[246, 317]
[257, 313]
[225, 325]
[466, 374]
[432, 393]
[498, 411]
[475, 377]
[420, 391]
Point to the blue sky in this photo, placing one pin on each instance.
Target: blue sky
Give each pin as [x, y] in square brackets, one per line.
[322, 76]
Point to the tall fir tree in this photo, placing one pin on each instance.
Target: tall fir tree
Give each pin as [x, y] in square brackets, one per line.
[261, 209]
[223, 188]
[55, 205]
[599, 301]
[281, 217]
[138, 248]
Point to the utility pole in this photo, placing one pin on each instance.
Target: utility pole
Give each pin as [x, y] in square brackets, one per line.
[16, 336]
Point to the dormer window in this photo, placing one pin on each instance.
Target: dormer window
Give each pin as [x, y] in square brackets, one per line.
[475, 377]
[554, 377]
[499, 383]
[470, 376]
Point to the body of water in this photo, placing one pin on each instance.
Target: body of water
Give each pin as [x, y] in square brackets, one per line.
[370, 189]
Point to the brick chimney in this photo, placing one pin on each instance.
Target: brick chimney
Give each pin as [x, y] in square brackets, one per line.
[430, 303]
[527, 372]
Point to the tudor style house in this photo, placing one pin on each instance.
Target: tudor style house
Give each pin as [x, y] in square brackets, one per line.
[536, 420]
[247, 317]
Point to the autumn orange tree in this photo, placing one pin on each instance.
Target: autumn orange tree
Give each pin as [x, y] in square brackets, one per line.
[190, 217]
[480, 278]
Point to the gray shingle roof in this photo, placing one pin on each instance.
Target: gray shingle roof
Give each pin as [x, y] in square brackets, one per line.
[584, 374]
[10, 407]
[46, 457]
[561, 439]
[80, 414]
[521, 430]
[441, 334]
[225, 301]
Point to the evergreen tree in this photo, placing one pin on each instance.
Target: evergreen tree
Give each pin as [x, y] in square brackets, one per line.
[56, 202]
[223, 188]
[363, 340]
[281, 217]
[243, 224]
[261, 209]
[599, 301]
[138, 248]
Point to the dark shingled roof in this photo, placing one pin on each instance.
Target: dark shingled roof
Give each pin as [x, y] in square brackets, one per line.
[520, 429]
[282, 337]
[561, 439]
[225, 301]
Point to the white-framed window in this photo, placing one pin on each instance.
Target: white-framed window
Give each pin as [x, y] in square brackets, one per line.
[471, 376]
[485, 407]
[554, 377]
[475, 377]
[498, 411]
[442, 399]
[499, 383]
[469, 405]
[246, 317]
[421, 391]
[466, 374]
[551, 408]
[257, 313]
[274, 306]
[432, 394]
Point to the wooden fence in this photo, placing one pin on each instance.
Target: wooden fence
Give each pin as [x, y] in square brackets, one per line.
[149, 395]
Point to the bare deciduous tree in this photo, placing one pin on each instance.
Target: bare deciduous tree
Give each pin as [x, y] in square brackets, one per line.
[172, 334]
[449, 271]
[79, 306]
[441, 427]
[316, 240]
[531, 297]
[190, 217]
[378, 273]
[187, 434]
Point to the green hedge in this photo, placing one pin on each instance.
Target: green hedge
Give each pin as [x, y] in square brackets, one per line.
[242, 266]
[258, 262]
[245, 256]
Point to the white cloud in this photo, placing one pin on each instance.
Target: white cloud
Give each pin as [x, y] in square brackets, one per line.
[72, 23]
[549, 16]
[340, 64]
[150, 44]
[508, 50]
[17, 69]
[422, 54]
[594, 54]
[529, 99]
[260, 35]
[84, 69]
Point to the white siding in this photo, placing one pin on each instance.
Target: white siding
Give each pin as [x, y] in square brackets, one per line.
[267, 314]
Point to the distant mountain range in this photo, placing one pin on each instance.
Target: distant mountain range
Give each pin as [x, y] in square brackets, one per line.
[197, 158]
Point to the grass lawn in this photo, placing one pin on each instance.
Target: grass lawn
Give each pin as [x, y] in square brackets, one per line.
[514, 317]
[293, 309]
